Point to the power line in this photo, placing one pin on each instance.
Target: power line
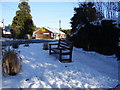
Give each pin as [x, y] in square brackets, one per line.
[13, 9]
[8, 6]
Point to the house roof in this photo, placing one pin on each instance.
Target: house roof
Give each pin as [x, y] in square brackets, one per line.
[6, 32]
[52, 30]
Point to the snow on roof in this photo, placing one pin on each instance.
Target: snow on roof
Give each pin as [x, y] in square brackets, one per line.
[51, 30]
[36, 31]
[6, 32]
[54, 30]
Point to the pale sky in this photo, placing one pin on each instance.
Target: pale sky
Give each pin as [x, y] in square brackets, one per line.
[44, 13]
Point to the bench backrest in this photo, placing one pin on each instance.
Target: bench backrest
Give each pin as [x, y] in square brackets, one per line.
[63, 43]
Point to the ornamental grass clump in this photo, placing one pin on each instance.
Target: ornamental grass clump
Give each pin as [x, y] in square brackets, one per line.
[11, 62]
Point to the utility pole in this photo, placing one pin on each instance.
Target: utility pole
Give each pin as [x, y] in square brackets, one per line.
[59, 27]
[3, 22]
[3, 26]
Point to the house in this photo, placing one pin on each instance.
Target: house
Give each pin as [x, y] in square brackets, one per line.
[1, 26]
[6, 32]
[48, 33]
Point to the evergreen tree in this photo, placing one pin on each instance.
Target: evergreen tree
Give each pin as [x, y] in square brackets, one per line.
[84, 14]
[22, 23]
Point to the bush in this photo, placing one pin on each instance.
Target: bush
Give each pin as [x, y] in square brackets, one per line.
[11, 63]
[100, 38]
[15, 46]
[26, 45]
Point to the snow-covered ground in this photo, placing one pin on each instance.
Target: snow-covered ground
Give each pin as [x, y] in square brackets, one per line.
[41, 70]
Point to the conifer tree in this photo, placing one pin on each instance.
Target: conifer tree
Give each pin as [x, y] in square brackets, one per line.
[84, 14]
[22, 23]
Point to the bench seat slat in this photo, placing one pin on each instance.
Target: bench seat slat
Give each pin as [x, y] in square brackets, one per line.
[64, 52]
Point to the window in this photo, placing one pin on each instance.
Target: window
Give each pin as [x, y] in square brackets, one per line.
[46, 33]
[52, 36]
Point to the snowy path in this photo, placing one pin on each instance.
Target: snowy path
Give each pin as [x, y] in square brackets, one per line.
[100, 63]
[41, 70]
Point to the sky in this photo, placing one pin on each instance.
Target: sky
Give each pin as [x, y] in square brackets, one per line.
[45, 14]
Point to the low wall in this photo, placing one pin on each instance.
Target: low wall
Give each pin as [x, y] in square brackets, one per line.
[23, 41]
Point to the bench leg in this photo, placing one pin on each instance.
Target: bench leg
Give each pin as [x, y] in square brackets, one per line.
[60, 57]
[50, 52]
[49, 49]
[70, 57]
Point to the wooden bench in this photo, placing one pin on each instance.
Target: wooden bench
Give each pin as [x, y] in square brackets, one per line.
[63, 49]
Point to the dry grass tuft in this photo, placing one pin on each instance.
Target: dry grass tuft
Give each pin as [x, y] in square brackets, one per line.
[11, 63]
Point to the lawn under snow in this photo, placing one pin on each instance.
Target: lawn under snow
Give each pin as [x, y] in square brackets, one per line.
[41, 70]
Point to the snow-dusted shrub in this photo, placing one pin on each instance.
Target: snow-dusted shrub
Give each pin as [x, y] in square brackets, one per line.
[100, 38]
[11, 62]
[15, 46]
[26, 45]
